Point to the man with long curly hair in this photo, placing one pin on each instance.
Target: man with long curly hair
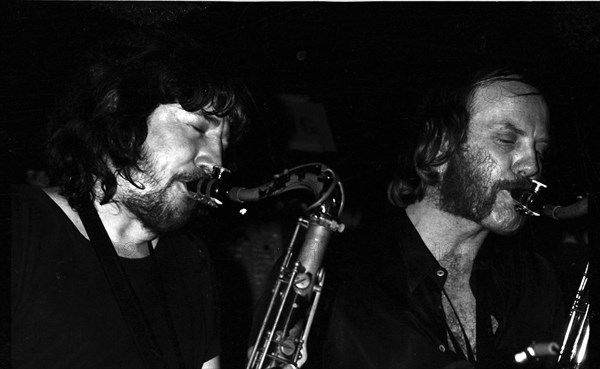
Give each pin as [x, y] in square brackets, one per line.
[103, 276]
[421, 291]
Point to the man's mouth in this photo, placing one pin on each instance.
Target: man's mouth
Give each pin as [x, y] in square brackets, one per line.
[191, 180]
[192, 185]
[514, 188]
[525, 200]
[507, 196]
[197, 185]
[196, 192]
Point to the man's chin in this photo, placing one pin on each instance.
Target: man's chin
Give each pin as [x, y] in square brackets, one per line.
[172, 225]
[505, 221]
[176, 220]
[185, 215]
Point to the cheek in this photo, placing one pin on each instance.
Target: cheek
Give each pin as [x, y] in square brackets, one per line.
[167, 161]
[501, 159]
[496, 168]
[178, 148]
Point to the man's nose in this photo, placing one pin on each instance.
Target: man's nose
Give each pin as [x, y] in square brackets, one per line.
[527, 165]
[210, 154]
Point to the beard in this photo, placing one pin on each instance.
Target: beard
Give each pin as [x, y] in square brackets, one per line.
[467, 188]
[160, 207]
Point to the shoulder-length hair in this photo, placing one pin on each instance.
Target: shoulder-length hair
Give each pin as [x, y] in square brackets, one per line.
[103, 123]
[441, 130]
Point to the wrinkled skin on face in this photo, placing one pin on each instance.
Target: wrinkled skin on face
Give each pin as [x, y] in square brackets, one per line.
[507, 137]
[179, 147]
[469, 191]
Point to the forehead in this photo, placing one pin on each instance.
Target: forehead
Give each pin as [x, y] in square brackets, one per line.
[509, 102]
[168, 114]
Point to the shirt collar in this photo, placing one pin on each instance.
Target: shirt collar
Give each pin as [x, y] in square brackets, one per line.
[419, 261]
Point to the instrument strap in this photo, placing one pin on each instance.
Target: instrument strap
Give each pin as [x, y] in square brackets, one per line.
[165, 307]
[120, 285]
[470, 356]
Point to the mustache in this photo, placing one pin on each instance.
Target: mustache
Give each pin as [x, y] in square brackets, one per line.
[195, 175]
[512, 184]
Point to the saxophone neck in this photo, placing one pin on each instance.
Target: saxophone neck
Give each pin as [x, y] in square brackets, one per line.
[316, 178]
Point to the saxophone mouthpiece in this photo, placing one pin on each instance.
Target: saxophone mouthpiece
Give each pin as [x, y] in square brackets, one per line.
[529, 201]
[210, 189]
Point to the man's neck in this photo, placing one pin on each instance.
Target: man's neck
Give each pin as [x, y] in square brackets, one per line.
[128, 235]
[454, 241]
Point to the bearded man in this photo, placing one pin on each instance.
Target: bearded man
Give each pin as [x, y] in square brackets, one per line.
[421, 292]
[103, 276]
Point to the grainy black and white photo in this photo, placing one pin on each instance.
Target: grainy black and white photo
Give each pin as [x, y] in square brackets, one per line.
[290, 184]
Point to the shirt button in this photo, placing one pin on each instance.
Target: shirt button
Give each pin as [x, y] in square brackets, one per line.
[442, 348]
[440, 273]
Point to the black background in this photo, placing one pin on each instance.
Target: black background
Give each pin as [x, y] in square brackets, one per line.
[367, 63]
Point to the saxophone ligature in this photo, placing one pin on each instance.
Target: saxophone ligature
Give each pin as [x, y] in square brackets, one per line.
[571, 354]
[282, 339]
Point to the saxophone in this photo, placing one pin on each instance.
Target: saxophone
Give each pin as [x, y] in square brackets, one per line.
[283, 335]
[571, 354]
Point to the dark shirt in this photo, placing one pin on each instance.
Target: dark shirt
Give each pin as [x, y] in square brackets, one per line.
[388, 310]
[64, 314]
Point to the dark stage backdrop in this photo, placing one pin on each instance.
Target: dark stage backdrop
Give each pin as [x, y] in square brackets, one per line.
[359, 68]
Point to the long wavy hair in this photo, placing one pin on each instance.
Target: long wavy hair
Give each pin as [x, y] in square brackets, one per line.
[100, 129]
[441, 130]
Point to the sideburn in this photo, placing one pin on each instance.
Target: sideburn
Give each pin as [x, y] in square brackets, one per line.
[466, 187]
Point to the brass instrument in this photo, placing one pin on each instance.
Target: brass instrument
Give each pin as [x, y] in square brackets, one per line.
[283, 335]
[572, 352]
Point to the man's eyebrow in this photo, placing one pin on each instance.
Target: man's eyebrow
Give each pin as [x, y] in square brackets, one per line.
[511, 127]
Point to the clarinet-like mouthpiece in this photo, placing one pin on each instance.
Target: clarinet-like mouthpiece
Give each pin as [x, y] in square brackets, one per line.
[532, 202]
[211, 190]
[529, 201]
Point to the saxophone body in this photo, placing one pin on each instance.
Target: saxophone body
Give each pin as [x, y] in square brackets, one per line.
[282, 339]
[574, 347]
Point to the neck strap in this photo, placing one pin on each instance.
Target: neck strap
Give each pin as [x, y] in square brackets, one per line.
[128, 302]
[165, 307]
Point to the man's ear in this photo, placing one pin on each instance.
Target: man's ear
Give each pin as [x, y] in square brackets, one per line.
[443, 154]
[441, 169]
[442, 157]
[109, 163]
